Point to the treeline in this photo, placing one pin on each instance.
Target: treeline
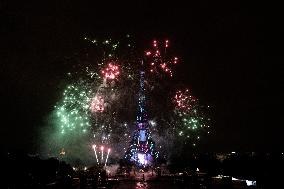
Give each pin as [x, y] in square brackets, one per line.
[24, 171]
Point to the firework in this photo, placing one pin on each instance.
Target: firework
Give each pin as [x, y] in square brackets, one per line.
[97, 104]
[192, 121]
[100, 99]
[111, 71]
[107, 156]
[73, 110]
[95, 150]
[103, 161]
[184, 101]
[159, 60]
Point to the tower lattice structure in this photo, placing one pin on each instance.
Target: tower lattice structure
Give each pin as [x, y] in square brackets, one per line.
[142, 150]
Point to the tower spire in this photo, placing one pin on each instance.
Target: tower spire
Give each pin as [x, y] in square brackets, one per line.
[142, 115]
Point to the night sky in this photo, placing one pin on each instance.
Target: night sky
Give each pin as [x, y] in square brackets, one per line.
[221, 45]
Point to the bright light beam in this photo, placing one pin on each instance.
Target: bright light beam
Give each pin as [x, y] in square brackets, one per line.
[102, 149]
[94, 147]
[107, 156]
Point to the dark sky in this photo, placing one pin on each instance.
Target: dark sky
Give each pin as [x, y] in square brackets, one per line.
[221, 45]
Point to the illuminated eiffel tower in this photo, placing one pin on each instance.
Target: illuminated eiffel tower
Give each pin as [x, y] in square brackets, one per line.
[142, 150]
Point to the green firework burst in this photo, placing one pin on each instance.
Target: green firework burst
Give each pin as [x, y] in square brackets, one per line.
[73, 111]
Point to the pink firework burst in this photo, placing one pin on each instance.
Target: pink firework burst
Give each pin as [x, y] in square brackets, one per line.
[111, 71]
[158, 58]
[97, 104]
[184, 100]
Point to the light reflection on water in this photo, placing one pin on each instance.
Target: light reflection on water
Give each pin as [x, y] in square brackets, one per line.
[141, 185]
[148, 185]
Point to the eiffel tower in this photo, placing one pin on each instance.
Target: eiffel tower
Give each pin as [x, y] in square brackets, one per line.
[142, 150]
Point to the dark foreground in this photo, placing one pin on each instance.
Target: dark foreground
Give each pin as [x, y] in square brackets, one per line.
[148, 185]
[235, 171]
[150, 181]
[172, 185]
